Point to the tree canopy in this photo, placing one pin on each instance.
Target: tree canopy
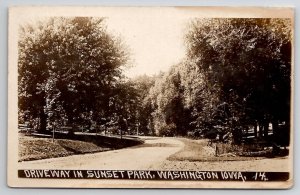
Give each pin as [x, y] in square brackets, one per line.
[236, 76]
[68, 68]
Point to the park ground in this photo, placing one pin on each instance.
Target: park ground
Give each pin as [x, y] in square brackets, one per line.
[156, 153]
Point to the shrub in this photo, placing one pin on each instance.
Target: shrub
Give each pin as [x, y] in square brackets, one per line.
[167, 130]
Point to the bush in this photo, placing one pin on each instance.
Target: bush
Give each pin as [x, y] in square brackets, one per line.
[167, 130]
[196, 134]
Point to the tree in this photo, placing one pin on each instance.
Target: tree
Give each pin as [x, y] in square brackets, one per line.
[166, 100]
[79, 57]
[247, 63]
[142, 85]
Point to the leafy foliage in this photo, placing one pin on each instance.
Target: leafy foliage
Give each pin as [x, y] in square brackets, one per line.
[236, 76]
[247, 64]
[63, 59]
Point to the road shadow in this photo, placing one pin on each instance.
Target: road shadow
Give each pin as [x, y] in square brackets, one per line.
[163, 145]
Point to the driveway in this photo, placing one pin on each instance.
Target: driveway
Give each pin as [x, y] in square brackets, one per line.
[146, 156]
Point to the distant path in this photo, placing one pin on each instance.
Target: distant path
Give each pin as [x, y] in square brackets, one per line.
[153, 152]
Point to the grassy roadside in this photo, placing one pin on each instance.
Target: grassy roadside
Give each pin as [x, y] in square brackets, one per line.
[33, 148]
[197, 150]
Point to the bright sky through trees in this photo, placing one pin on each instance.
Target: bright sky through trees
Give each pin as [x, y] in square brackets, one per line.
[155, 43]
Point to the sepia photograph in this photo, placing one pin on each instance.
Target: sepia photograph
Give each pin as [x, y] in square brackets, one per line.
[150, 97]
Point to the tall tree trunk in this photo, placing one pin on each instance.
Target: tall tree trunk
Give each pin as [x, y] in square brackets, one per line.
[275, 130]
[121, 133]
[255, 130]
[43, 124]
[260, 126]
[288, 132]
[266, 128]
[151, 126]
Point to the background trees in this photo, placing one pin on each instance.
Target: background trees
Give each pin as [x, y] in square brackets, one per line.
[144, 122]
[236, 76]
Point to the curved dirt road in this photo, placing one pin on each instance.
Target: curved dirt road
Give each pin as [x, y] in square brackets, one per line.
[146, 156]
[152, 155]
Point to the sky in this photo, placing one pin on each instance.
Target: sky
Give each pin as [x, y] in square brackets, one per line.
[155, 42]
[153, 35]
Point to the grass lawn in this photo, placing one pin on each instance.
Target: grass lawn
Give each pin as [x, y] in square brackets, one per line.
[197, 150]
[33, 148]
